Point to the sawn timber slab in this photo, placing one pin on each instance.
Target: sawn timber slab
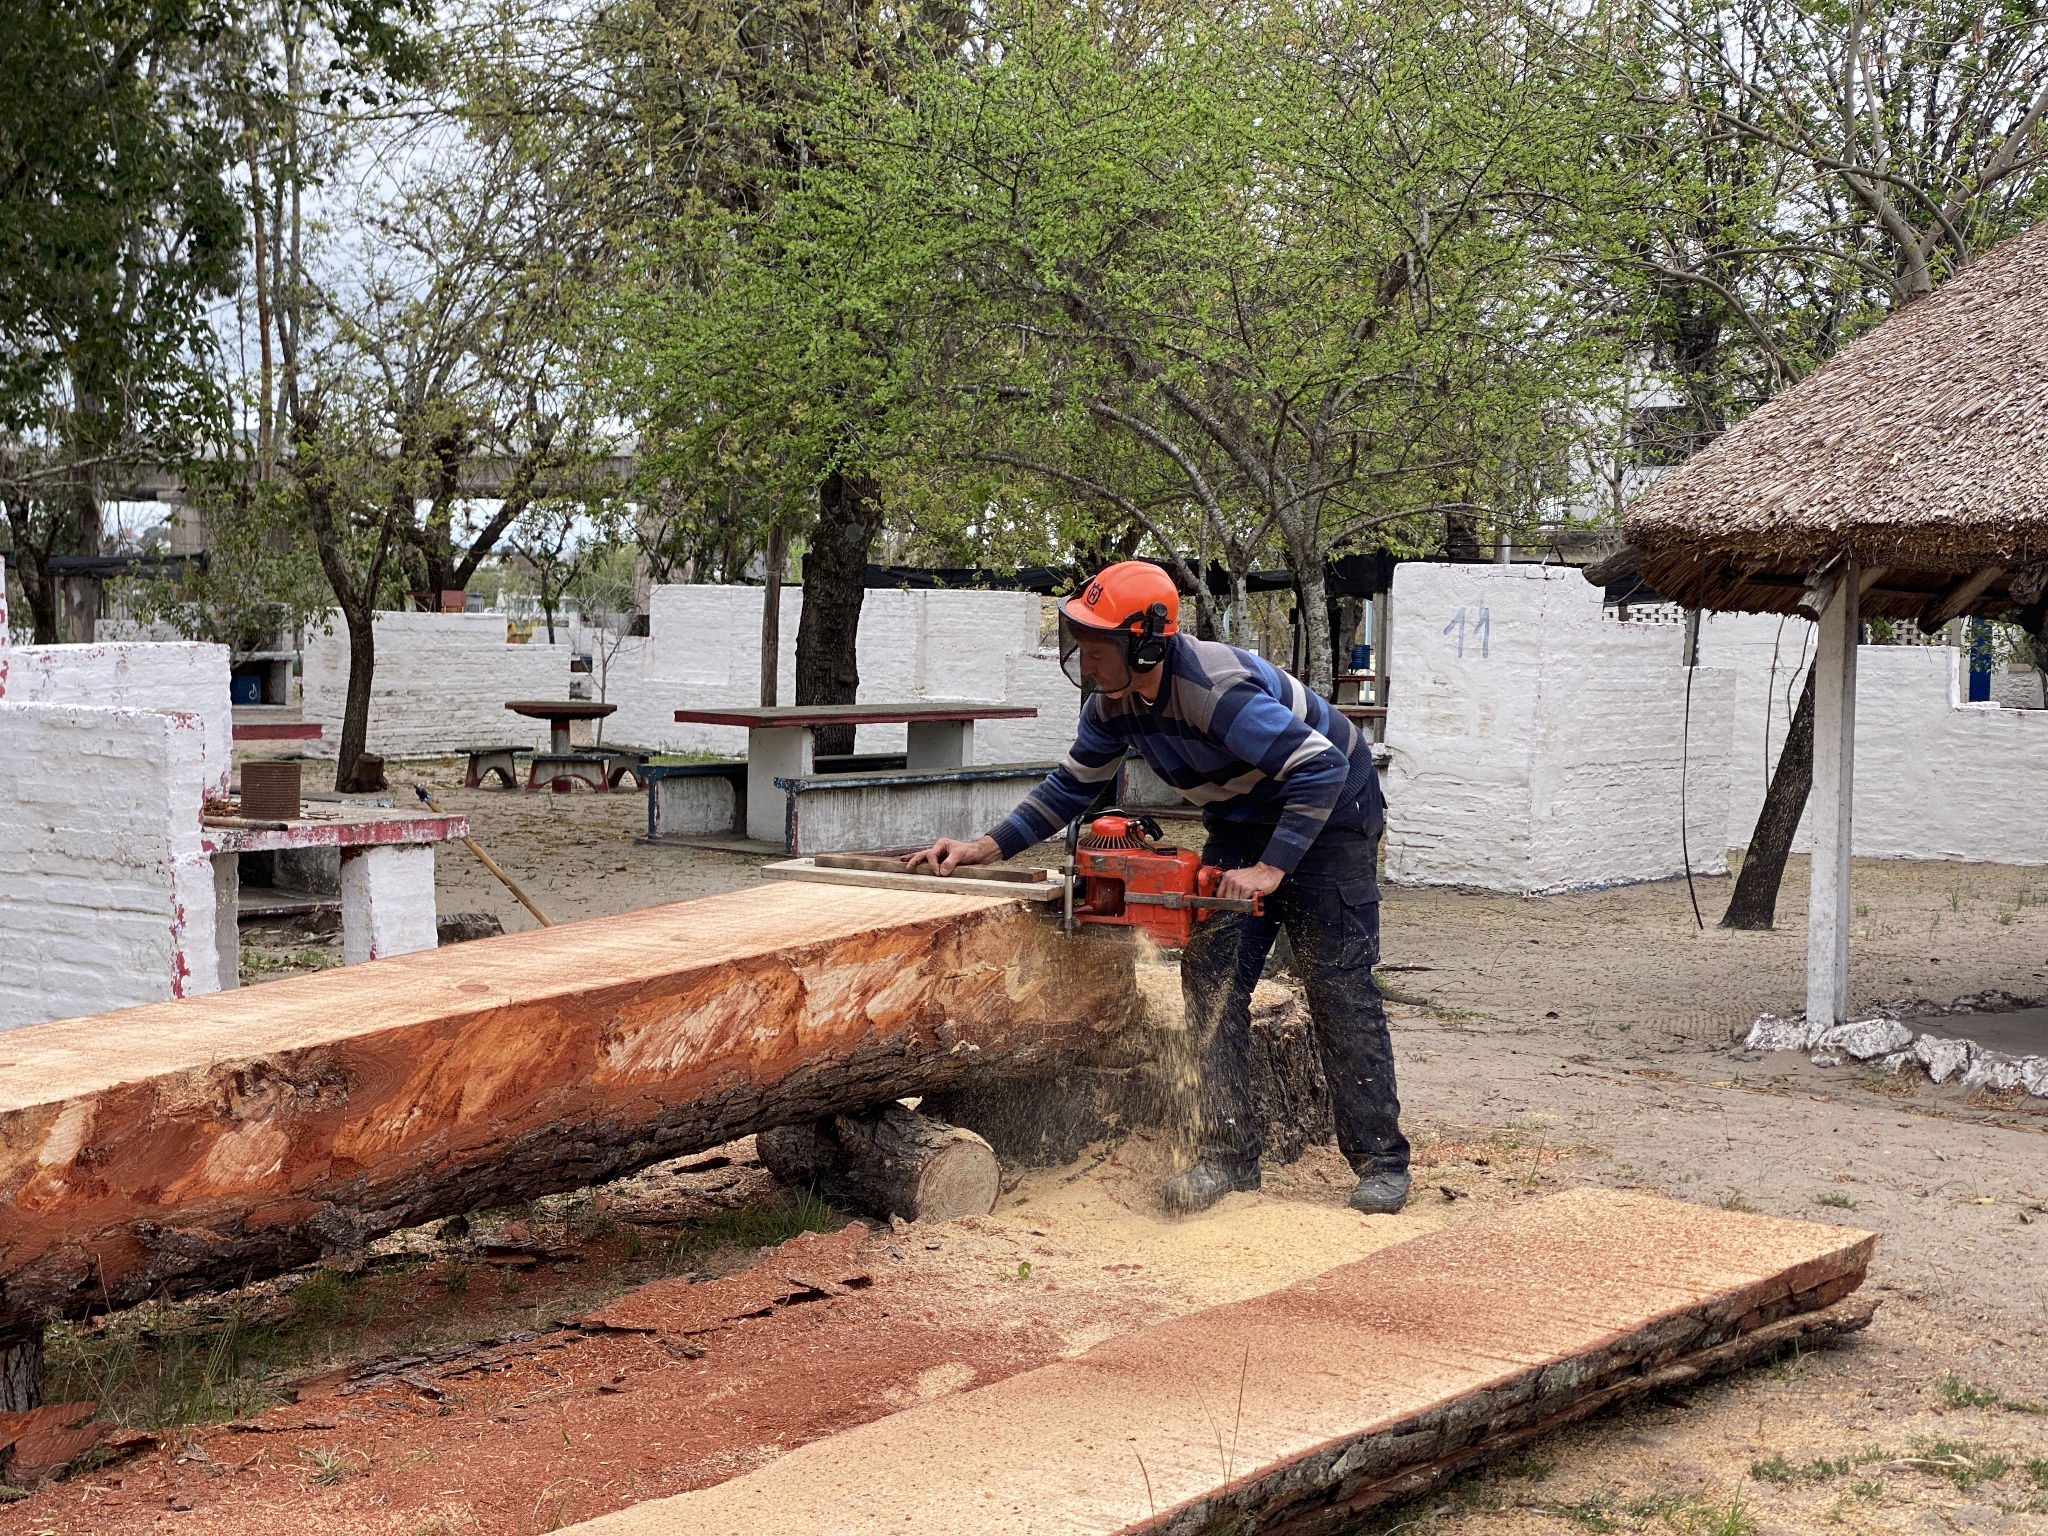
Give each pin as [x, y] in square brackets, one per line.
[1293, 1410]
[177, 1145]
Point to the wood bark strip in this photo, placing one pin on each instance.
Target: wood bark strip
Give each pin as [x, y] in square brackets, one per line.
[173, 1147]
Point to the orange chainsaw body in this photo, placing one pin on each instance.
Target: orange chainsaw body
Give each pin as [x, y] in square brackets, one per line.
[1127, 879]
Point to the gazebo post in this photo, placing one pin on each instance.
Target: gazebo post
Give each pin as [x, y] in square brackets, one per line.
[1832, 800]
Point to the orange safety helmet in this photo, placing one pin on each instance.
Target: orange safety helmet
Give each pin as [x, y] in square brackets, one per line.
[1134, 599]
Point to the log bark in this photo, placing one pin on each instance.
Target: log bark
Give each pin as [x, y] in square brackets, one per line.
[887, 1161]
[179, 1146]
[1754, 904]
[21, 1371]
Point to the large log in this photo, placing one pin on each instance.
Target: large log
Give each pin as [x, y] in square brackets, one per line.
[887, 1161]
[164, 1149]
[1297, 1411]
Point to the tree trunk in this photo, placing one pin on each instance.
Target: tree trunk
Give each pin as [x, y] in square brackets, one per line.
[887, 1161]
[1290, 1097]
[250, 1131]
[1754, 905]
[40, 588]
[21, 1370]
[771, 618]
[355, 713]
[1461, 538]
[835, 586]
[1314, 608]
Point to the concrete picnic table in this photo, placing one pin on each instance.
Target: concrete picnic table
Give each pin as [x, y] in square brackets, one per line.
[781, 744]
[558, 713]
[387, 873]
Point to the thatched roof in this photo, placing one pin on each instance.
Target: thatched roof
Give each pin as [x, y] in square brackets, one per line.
[1921, 448]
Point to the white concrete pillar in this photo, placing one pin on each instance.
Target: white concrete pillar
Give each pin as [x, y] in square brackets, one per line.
[771, 755]
[1832, 801]
[227, 918]
[940, 744]
[387, 902]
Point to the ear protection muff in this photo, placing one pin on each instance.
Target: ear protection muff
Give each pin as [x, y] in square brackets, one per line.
[1147, 648]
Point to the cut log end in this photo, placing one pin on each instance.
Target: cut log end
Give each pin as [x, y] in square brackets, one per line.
[961, 1178]
[887, 1161]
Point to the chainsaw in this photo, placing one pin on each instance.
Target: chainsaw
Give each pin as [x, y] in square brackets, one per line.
[1119, 873]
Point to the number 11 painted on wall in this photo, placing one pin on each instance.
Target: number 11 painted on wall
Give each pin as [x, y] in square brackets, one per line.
[1482, 631]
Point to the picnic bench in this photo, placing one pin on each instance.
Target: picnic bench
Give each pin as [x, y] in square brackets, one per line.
[782, 766]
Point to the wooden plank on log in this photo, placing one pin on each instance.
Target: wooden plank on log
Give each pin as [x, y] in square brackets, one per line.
[162, 1149]
[1294, 1411]
[1045, 886]
[886, 864]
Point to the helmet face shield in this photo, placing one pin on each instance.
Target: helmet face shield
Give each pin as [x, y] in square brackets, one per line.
[1095, 660]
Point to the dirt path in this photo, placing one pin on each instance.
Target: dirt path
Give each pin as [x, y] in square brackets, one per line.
[1584, 1038]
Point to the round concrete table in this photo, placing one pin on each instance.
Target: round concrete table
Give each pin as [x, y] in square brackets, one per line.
[558, 713]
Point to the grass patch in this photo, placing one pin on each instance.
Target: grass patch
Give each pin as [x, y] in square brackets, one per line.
[158, 1367]
[1959, 1461]
[1958, 1393]
[1696, 1517]
[763, 1224]
[2037, 1469]
[1737, 1203]
[1596, 1513]
[1779, 1470]
[1835, 1201]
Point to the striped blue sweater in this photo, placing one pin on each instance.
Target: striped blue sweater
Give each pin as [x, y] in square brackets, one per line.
[1234, 734]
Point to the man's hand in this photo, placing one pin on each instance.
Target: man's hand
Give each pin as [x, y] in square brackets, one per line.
[1243, 884]
[949, 854]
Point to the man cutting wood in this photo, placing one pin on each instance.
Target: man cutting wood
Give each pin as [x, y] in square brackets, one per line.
[1294, 814]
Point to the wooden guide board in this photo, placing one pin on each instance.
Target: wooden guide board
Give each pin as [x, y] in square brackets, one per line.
[180, 1145]
[1363, 1385]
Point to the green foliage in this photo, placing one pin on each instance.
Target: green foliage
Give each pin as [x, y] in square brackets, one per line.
[761, 1224]
[1958, 1393]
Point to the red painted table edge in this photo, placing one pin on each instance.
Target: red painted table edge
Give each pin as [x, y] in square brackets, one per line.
[395, 829]
[792, 718]
[280, 731]
[562, 709]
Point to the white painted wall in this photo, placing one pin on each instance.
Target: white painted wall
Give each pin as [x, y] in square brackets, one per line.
[442, 682]
[1535, 744]
[186, 676]
[703, 650]
[1936, 776]
[106, 895]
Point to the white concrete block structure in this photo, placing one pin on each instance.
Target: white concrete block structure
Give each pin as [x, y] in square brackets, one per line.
[106, 892]
[1936, 777]
[189, 677]
[703, 650]
[1537, 745]
[387, 902]
[442, 681]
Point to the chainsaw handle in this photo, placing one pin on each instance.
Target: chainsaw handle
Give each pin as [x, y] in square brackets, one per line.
[1209, 876]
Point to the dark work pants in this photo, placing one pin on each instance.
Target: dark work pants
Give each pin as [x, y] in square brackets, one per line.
[1330, 907]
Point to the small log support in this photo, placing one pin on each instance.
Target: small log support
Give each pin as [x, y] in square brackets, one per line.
[887, 1161]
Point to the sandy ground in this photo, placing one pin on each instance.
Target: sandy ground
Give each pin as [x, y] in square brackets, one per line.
[1584, 1038]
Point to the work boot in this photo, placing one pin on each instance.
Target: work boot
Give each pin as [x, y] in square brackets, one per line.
[1206, 1183]
[1380, 1194]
